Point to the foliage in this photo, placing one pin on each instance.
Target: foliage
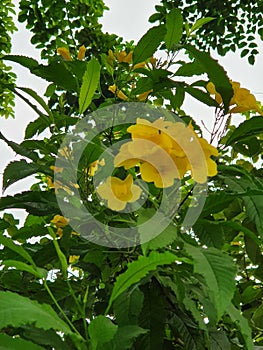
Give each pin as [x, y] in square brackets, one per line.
[231, 24]
[169, 284]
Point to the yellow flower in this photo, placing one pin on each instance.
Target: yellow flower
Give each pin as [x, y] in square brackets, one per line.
[119, 192]
[59, 232]
[139, 65]
[124, 57]
[59, 221]
[81, 53]
[64, 52]
[119, 93]
[73, 259]
[165, 151]
[56, 169]
[143, 96]
[93, 167]
[242, 100]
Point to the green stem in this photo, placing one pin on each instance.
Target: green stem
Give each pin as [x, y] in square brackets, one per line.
[59, 308]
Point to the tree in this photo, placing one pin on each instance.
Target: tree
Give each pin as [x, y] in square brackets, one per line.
[140, 234]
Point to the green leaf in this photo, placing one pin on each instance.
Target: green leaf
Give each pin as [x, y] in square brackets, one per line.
[201, 96]
[35, 271]
[125, 336]
[174, 28]
[89, 84]
[7, 242]
[127, 307]
[137, 270]
[101, 330]
[10, 343]
[36, 97]
[242, 324]
[216, 202]
[25, 61]
[58, 73]
[37, 126]
[18, 170]
[219, 341]
[36, 203]
[17, 311]
[163, 239]
[190, 69]
[200, 22]
[249, 128]
[219, 273]
[148, 44]
[210, 233]
[215, 72]
[20, 149]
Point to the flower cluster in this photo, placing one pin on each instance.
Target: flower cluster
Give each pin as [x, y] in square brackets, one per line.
[242, 100]
[165, 151]
[64, 52]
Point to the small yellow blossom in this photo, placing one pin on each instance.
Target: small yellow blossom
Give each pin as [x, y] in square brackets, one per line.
[73, 259]
[93, 167]
[242, 100]
[59, 221]
[144, 95]
[64, 52]
[59, 232]
[119, 93]
[81, 53]
[119, 192]
[56, 169]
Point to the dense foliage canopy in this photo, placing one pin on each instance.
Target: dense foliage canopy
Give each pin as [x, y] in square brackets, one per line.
[140, 233]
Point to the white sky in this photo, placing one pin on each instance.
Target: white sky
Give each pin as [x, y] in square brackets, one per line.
[125, 20]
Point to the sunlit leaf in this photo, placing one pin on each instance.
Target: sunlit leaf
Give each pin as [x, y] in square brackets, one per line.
[174, 27]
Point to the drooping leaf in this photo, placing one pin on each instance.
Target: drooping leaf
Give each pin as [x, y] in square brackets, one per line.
[242, 324]
[25, 61]
[89, 84]
[125, 336]
[139, 269]
[36, 97]
[36, 203]
[7, 242]
[174, 28]
[18, 265]
[20, 149]
[37, 126]
[249, 128]
[148, 44]
[219, 341]
[210, 233]
[215, 72]
[16, 311]
[18, 170]
[201, 96]
[11, 343]
[42, 337]
[219, 273]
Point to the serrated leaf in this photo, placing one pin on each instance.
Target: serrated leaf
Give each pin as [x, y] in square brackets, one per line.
[37, 126]
[16, 311]
[25, 61]
[11, 343]
[219, 273]
[36, 97]
[18, 170]
[200, 23]
[20, 149]
[215, 72]
[174, 28]
[219, 341]
[249, 128]
[7, 242]
[242, 324]
[89, 84]
[148, 44]
[137, 270]
[58, 73]
[36, 203]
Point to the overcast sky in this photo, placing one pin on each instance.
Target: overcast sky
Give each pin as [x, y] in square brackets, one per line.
[128, 19]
